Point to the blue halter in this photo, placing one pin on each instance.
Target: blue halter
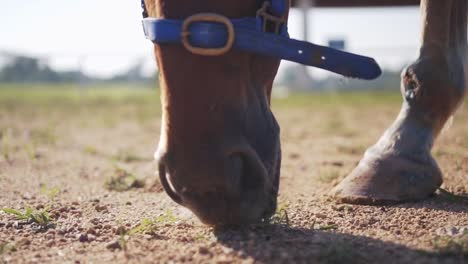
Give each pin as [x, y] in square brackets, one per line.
[266, 34]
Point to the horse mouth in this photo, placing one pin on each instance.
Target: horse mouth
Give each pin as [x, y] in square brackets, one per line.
[249, 198]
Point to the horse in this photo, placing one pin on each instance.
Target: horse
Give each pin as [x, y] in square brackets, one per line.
[219, 152]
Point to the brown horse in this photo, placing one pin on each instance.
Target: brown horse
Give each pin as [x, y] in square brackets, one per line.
[219, 151]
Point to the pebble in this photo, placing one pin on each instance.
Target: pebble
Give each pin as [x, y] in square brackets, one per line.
[120, 230]
[50, 243]
[91, 231]
[100, 208]
[114, 245]
[91, 238]
[24, 242]
[203, 250]
[83, 238]
[320, 215]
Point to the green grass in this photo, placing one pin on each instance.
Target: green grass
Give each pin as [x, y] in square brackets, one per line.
[281, 216]
[146, 226]
[123, 181]
[451, 197]
[70, 95]
[51, 193]
[151, 225]
[90, 150]
[31, 216]
[127, 156]
[328, 175]
[45, 136]
[332, 99]
[451, 245]
[6, 248]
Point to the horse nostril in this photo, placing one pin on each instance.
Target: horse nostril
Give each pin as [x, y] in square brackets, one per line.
[234, 168]
[246, 171]
[252, 178]
[167, 185]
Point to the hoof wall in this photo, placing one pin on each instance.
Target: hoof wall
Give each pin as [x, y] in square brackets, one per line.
[389, 179]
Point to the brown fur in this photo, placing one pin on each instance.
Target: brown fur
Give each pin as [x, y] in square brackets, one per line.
[218, 130]
[220, 141]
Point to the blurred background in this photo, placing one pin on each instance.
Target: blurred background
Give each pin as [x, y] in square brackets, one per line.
[87, 42]
[80, 120]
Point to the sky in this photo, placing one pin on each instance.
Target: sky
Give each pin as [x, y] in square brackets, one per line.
[104, 37]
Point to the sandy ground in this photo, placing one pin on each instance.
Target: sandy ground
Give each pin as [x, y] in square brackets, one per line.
[58, 155]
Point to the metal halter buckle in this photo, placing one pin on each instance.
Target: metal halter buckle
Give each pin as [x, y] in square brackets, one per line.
[267, 17]
[208, 17]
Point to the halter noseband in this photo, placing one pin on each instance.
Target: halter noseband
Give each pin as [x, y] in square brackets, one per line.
[209, 34]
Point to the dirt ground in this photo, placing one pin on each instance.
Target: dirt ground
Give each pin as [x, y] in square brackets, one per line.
[62, 154]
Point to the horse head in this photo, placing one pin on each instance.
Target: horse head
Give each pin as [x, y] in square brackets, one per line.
[219, 152]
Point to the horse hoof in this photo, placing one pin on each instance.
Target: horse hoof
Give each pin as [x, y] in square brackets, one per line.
[384, 177]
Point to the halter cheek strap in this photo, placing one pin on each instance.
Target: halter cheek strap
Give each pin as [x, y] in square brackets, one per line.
[266, 34]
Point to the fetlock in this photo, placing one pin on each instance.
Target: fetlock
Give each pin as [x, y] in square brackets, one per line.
[433, 88]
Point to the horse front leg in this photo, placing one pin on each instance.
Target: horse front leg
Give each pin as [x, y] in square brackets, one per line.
[400, 167]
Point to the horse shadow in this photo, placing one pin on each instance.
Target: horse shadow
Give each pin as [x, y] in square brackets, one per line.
[442, 201]
[283, 244]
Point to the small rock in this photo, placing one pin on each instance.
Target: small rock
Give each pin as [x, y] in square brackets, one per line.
[91, 238]
[203, 250]
[24, 242]
[17, 225]
[100, 208]
[50, 243]
[83, 238]
[452, 231]
[91, 231]
[320, 215]
[120, 230]
[114, 245]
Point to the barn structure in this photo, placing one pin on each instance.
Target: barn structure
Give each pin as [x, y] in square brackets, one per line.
[307, 4]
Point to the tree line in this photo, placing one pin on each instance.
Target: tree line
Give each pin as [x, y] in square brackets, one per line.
[25, 69]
